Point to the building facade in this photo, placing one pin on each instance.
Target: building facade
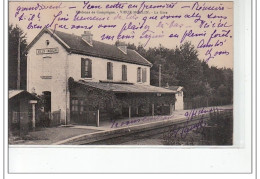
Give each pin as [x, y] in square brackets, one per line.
[72, 69]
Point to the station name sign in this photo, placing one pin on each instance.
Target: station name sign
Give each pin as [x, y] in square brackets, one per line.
[47, 51]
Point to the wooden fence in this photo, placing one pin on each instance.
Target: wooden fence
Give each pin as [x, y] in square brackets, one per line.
[55, 118]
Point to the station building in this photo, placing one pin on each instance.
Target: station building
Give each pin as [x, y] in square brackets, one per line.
[90, 81]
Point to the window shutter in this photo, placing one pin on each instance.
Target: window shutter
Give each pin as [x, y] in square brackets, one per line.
[138, 74]
[144, 75]
[82, 68]
[111, 71]
[124, 72]
[90, 68]
[108, 70]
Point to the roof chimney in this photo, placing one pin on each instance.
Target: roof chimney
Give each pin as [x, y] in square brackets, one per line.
[87, 37]
[122, 46]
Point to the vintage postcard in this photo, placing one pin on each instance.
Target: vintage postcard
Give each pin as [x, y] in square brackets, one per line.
[120, 73]
[128, 87]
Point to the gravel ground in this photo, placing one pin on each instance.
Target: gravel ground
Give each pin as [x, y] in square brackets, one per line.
[46, 136]
[153, 140]
[191, 139]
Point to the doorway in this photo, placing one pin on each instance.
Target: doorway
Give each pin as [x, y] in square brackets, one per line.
[47, 101]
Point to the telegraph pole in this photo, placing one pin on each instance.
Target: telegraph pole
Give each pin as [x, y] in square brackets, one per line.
[19, 64]
[160, 74]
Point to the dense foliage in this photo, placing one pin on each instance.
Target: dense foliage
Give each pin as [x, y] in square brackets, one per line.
[14, 33]
[203, 85]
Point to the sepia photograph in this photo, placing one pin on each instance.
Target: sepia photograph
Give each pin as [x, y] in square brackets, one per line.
[120, 73]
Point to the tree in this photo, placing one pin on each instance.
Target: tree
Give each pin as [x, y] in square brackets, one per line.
[208, 92]
[190, 71]
[14, 33]
[181, 66]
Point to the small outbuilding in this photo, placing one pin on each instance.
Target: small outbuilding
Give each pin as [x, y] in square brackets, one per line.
[21, 114]
[179, 105]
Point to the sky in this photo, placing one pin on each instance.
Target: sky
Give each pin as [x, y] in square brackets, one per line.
[207, 25]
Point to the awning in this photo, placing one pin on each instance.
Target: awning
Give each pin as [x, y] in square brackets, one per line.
[125, 87]
[175, 88]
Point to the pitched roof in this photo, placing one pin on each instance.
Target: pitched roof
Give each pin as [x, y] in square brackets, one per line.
[125, 88]
[13, 93]
[74, 44]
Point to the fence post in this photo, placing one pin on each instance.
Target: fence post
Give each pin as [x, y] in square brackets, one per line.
[60, 115]
[97, 118]
[171, 109]
[129, 112]
[152, 109]
[33, 117]
[33, 102]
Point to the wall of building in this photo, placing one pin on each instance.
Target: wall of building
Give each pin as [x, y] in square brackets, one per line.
[99, 69]
[57, 84]
[179, 101]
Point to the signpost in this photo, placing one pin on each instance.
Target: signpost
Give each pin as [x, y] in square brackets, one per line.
[47, 51]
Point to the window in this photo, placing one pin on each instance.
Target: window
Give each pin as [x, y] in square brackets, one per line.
[46, 67]
[144, 75]
[139, 74]
[78, 105]
[47, 42]
[86, 68]
[74, 105]
[109, 71]
[81, 106]
[124, 73]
